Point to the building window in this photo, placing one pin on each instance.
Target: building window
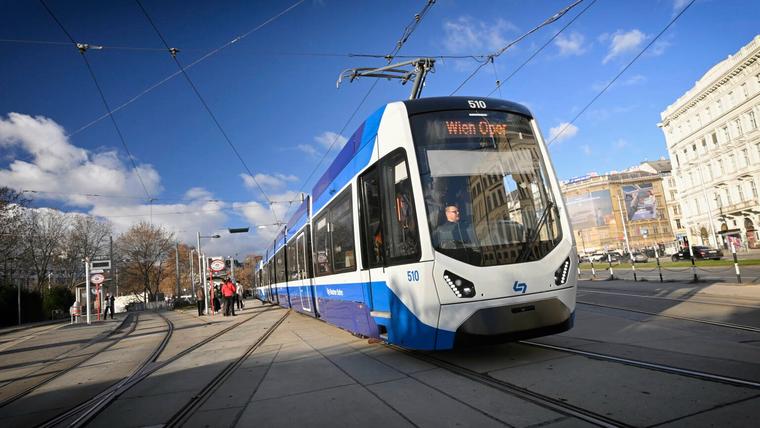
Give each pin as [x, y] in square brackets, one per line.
[752, 121]
[740, 192]
[732, 158]
[728, 197]
[738, 124]
[731, 97]
[725, 135]
[720, 167]
[753, 187]
[718, 201]
[678, 223]
[678, 161]
[745, 158]
[714, 137]
[745, 92]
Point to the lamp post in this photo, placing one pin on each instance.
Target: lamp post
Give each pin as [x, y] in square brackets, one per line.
[200, 264]
[192, 273]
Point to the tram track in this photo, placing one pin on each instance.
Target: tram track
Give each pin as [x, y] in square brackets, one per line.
[677, 317]
[537, 398]
[651, 366]
[673, 299]
[78, 360]
[186, 412]
[84, 412]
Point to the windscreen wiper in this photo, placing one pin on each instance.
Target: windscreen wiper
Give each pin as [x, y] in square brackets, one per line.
[531, 241]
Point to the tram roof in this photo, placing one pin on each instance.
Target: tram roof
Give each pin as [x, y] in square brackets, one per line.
[425, 105]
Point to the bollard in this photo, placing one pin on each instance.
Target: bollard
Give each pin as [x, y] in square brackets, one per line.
[657, 258]
[593, 271]
[633, 266]
[609, 260]
[736, 265]
[693, 265]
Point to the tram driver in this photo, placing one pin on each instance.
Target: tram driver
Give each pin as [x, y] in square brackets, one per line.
[452, 234]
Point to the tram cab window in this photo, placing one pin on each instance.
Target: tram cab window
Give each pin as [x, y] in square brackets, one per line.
[390, 232]
[334, 237]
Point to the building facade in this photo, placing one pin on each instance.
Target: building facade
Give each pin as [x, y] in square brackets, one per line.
[713, 139]
[618, 211]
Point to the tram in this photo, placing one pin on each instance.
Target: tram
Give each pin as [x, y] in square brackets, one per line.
[440, 224]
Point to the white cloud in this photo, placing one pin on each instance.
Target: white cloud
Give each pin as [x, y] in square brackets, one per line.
[52, 164]
[623, 42]
[58, 166]
[586, 149]
[266, 181]
[571, 44]
[467, 35]
[329, 139]
[308, 149]
[562, 132]
[679, 4]
[659, 47]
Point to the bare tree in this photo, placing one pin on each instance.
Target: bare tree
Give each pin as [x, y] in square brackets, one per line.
[143, 253]
[169, 282]
[12, 205]
[43, 231]
[85, 237]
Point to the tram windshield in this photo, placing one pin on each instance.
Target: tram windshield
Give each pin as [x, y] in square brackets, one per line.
[486, 187]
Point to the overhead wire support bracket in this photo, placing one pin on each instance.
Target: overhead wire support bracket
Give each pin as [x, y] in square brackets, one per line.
[420, 68]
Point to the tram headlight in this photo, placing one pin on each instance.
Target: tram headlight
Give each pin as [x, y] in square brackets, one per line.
[561, 274]
[461, 287]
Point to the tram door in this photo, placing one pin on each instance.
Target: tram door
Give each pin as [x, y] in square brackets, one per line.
[390, 238]
[301, 272]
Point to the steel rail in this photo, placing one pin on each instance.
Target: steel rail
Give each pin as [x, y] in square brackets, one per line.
[87, 410]
[715, 323]
[183, 415]
[520, 392]
[65, 370]
[670, 298]
[652, 366]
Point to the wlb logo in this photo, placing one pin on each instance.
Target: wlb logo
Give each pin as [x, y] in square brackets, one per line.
[520, 287]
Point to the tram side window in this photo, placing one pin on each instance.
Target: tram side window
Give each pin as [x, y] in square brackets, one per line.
[334, 237]
[401, 236]
[322, 250]
[292, 265]
[280, 266]
[342, 231]
[300, 257]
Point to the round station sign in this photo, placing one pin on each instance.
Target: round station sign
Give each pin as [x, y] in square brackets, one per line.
[217, 265]
[97, 278]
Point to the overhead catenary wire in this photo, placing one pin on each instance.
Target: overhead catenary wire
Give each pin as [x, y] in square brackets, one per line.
[408, 30]
[82, 52]
[583, 110]
[537, 51]
[192, 64]
[546, 22]
[208, 108]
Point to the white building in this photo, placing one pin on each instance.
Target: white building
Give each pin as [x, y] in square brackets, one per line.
[714, 144]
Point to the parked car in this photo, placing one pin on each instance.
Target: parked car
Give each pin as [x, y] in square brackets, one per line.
[603, 257]
[700, 252]
[637, 257]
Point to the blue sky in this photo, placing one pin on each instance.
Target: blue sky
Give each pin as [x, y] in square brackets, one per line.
[274, 92]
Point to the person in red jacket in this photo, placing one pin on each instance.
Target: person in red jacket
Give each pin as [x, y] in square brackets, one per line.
[228, 291]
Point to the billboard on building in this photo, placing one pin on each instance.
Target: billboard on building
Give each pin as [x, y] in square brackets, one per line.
[590, 210]
[640, 202]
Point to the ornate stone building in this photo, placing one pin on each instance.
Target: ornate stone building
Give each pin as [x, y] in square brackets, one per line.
[713, 139]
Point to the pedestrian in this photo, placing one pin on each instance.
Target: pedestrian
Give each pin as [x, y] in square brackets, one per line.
[239, 295]
[229, 292]
[110, 302]
[200, 299]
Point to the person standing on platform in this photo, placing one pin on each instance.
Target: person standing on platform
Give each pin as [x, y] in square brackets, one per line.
[110, 302]
[239, 295]
[200, 299]
[229, 291]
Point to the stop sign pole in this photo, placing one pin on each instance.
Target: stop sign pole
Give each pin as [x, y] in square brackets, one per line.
[87, 286]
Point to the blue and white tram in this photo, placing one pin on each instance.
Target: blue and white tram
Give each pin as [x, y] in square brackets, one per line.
[439, 224]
